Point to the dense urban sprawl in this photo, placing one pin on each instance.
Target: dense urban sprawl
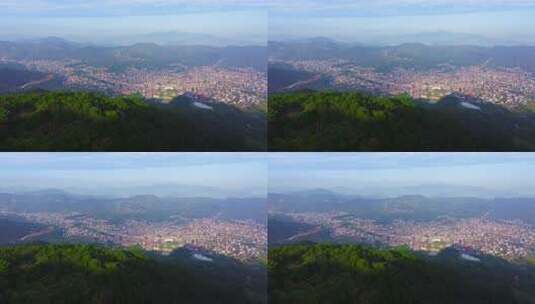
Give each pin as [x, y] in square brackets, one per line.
[243, 240]
[506, 239]
[510, 87]
[241, 87]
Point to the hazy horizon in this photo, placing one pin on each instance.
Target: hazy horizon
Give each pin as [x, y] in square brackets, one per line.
[221, 175]
[352, 193]
[162, 39]
[483, 175]
[217, 175]
[227, 22]
[398, 41]
[387, 22]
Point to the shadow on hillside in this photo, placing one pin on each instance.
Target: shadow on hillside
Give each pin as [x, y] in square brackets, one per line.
[354, 273]
[78, 121]
[353, 121]
[226, 272]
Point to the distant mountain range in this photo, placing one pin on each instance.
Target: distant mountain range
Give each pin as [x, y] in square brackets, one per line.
[119, 191]
[408, 55]
[185, 38]
[429, 38]
[136, 206]
[442, 38]
[407, 207]
[386, 191]
[147, 55]
[162, 38]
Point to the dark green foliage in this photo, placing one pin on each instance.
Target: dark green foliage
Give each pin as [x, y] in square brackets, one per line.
[79, 121]
[356, 274]
[93, 274]
[333, 121]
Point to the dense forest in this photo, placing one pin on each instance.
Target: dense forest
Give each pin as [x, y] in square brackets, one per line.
[354, 121]
[327, 274]
[82, 121]
[93, 274]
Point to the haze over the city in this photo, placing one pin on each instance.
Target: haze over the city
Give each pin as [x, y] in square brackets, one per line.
[395, 174]
[110, 22]
[116, 174]
[495, 22]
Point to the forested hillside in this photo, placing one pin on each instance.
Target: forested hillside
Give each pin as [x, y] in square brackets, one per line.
[354, 274]
[93, 274]
[343, 121]
[80, 121]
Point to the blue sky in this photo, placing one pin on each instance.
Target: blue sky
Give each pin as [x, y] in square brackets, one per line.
[369, 21]
[250, 174]
[88, 20]
[135, 173]
[501, 21]
[391, 174]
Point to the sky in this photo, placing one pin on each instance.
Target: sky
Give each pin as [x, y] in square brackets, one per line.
[103, 21]
[385, 21]
[252, 174]
[394, 174]
[127, 174]
[252, 21]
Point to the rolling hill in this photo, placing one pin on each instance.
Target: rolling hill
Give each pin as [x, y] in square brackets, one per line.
[81, 121]
[416, 208]
[355, 121]
[407, 55]
[147, 207]
[44, 273]
[322, 273]
[141, 55]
